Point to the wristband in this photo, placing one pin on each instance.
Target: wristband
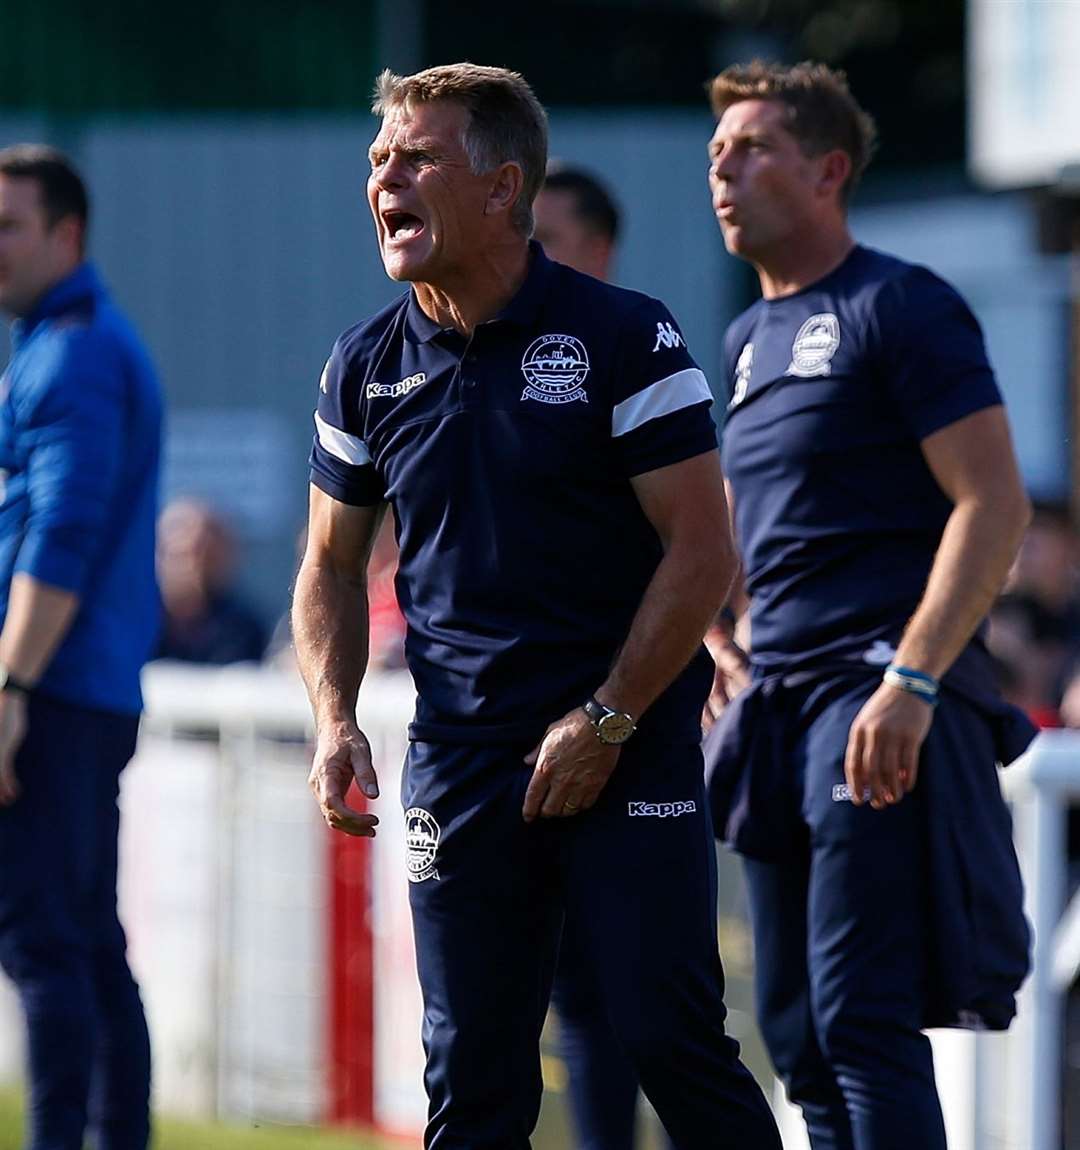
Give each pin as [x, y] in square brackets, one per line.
[914, 682]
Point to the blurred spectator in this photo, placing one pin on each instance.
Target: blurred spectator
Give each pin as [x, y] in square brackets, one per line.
[1047, 569]
[577, 222]
[205, 621]
[1026, 641]
[1035, 626]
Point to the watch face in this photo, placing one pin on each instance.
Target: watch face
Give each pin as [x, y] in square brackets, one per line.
[615, 728]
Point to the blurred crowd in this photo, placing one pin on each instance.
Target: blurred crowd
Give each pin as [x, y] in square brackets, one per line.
[208, 619]
[1034, 631]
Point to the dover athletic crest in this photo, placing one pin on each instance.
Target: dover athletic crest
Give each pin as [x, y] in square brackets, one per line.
[421, 842]
[814, 346]
[555, 367]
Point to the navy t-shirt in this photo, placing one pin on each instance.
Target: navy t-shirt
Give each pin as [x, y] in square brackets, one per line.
[837, 515]
[507, 459]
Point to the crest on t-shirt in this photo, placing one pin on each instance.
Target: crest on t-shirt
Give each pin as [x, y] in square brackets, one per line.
[742, 374]
[815, 345]
[555, 367]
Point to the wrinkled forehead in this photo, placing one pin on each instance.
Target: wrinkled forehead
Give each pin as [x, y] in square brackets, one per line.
[412, 122]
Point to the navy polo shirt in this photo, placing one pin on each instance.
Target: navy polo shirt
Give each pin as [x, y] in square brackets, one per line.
[837, 515]
[507, 458]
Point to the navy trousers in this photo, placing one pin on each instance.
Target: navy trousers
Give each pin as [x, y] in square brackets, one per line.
[840, 945]
[61, 942]
[635, 877]
[601, 1084]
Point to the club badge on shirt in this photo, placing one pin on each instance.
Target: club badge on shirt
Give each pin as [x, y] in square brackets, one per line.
[555, 367]
[815, 344]
[742, 375]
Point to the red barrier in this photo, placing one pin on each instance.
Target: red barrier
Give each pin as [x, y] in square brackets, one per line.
[351, 1023]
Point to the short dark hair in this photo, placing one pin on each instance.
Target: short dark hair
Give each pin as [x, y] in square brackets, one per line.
[593, 203]
[506, 121]
[822, 112]
[63, 192]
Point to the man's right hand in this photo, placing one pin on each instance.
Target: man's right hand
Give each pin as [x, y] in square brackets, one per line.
[342, 754]
[731, 675]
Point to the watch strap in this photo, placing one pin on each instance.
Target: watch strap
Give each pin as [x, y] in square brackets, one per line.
[595, 711]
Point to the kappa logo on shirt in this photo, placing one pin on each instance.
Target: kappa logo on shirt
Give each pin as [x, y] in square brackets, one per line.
[323, 378]
[815, 344]
[667, 336]
[395, 390]
[555, 367]
[742, 374]
[662, 810]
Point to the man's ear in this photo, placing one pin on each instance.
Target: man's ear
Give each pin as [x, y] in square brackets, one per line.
[68, 231]
[834, 172]
[507, 182]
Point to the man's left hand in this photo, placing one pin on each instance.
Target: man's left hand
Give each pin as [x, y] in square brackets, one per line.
[12, 733]
[882, 759]
[572, 766]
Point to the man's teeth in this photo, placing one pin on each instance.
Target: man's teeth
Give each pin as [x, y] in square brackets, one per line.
[403, 227]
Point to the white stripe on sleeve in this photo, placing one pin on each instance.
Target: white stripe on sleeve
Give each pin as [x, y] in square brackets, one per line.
[672, 393]
[340, 444]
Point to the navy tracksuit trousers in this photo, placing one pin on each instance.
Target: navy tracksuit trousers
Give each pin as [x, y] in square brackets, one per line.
[61, 942]
[602, 1087]
[635, 877]
[841, 943]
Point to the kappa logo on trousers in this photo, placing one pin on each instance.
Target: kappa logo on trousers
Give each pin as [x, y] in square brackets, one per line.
[662, 810]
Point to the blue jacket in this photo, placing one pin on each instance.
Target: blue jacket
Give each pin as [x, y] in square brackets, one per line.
[80, 445]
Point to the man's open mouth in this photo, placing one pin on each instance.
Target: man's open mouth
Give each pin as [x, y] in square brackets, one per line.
[402, 225]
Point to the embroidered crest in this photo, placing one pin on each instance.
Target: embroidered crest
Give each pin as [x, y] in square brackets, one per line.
[421, 843]
[555, 367]
[815, 345]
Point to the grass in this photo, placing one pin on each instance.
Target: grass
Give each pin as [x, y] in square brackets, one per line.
[173, 1135]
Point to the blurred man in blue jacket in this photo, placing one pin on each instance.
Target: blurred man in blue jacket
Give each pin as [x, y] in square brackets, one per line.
[80, 429]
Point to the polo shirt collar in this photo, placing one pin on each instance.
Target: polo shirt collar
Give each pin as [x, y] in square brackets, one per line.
[521, 311]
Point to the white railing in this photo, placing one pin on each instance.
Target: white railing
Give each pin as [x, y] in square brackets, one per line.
[224, 890]
[1041, 787]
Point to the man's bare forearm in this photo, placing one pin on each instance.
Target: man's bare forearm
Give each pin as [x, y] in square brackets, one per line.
[687, 589]
[38, 617]
[330, 632]
[977, 548]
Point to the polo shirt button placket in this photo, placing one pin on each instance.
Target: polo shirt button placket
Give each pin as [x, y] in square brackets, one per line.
[468, 361]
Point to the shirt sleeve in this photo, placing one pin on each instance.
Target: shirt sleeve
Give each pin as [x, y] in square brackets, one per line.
[341, 464]
[72, 424]
[662, 410]
[933, 355]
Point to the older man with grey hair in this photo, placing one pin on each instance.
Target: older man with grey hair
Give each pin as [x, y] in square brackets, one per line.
[546, 444]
